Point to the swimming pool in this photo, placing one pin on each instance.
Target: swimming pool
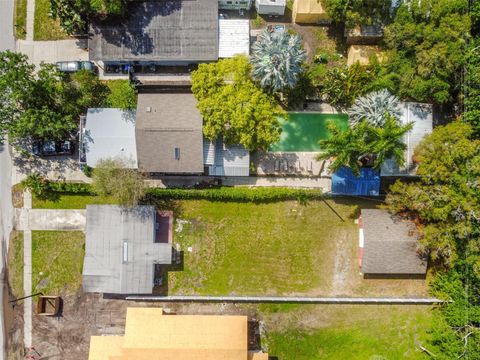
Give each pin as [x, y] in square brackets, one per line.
[301, 131]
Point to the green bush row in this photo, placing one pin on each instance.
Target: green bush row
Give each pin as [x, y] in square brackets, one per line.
[73, 188]
[235, 194]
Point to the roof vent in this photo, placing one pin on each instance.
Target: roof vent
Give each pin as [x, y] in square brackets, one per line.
[148, 109]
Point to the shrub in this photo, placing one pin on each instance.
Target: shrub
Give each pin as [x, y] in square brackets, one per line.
[37, 184]
[122, 95]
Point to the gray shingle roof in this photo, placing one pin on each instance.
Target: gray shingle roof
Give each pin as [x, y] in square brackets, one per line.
[120, 251]
[390, 245]
[166, 121]
[180, 30]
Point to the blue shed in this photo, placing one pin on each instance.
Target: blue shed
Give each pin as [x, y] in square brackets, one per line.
[345, 183]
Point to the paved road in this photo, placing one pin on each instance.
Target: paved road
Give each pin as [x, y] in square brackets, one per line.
[7, 41]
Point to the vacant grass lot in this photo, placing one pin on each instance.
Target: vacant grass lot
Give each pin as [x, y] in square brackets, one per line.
[360, 332]
[57, 261]
[15, 263]
[20, 18]
[245, 248]
[45, 27]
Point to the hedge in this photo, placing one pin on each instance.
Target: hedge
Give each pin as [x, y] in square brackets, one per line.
[235, 194]
[232, 194]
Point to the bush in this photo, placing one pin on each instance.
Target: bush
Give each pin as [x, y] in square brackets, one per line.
[37, 184]
[236, 194]
[72, 188]
[122, 95]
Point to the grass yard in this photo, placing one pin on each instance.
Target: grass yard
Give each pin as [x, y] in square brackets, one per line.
[20, 18]
[15, 263]
[360, 332]
[57, 261]
[245, 248]
[45, 27]
[68, 201]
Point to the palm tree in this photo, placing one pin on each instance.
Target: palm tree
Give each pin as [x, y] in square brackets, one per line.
[277, 59]
[374, 108]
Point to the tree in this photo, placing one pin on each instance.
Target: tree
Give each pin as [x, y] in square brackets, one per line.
[113, 177]
[123, 94]
[471, 86]
[374, 108]
[426, 44]
[233, 106]
[84, 90]
[37, 184]
[32, 104]
[277, 59]
[363, 144]
[358, 12]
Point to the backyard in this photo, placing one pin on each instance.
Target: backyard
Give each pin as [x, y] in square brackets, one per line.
[57, 261]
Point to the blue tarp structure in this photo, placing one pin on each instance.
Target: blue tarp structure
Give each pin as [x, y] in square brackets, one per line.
[345, 183]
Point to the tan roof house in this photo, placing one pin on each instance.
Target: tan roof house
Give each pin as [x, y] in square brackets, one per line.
[309, 12]
[150, 335]
[363, 54]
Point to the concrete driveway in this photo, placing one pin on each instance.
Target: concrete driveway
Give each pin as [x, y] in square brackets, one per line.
[49, 219]
[53, 51]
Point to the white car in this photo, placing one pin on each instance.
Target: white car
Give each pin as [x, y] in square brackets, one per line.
[74, 66]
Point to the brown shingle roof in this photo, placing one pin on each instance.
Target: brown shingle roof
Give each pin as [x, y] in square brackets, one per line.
[166, 121]
[390, 245]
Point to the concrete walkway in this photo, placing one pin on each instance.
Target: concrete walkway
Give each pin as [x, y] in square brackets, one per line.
[30, 20]
[27, 275]
[289, 300]
[49, 219]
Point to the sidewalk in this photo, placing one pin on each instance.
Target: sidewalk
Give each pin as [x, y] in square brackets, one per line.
[27, 275]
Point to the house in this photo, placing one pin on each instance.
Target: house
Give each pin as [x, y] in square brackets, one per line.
[364, 35]
[235, 4]
[169, 133]
[362, 54]
[108, 133]
[170, 33]
[151, 334]
[126, 249]
[388, 246]
[233, 37]
[270, 7]
[421, 115]
[309, 12]
[223, 160]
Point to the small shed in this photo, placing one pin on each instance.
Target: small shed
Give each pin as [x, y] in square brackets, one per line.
[309, 12]
[364, 34]
[363, 53]
[270, 7]
[388, 246]
[223, 160]
[234, 37]
[344, 182]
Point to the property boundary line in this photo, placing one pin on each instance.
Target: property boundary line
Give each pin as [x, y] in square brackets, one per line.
[288, 300]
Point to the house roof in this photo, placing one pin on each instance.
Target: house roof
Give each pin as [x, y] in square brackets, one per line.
[421, 115]
[234, 37]
[120, 249]
[109, 133]
[390, 245]
[182, 30]
[166, 121]
[151, 335]
[309, 7]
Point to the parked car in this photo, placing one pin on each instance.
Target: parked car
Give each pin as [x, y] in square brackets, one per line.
[52, 148]
[74, 66]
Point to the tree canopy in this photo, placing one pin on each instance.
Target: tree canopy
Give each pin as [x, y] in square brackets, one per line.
[277, 59]
[364, 143]
[426, 43]
[358, 12]
[233, 106]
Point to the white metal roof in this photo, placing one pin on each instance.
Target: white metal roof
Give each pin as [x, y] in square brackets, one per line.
[110, 133]
[234, 37]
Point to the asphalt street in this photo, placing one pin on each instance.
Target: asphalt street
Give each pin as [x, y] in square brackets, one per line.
[7, 41]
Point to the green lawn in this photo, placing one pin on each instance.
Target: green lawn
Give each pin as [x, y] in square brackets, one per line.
[46, 28]
[15, 263]
[57, 261]
[245, 248]
[67, 201]
[20, 18]
[349, 332]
